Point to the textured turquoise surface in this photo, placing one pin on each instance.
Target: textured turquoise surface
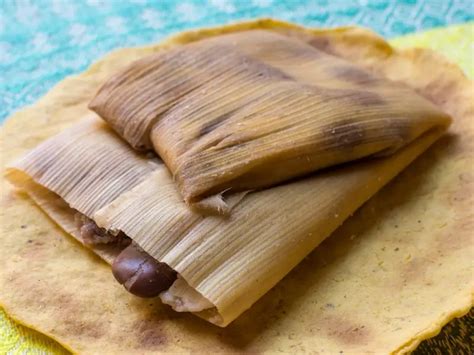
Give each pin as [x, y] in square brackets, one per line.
[42, 41]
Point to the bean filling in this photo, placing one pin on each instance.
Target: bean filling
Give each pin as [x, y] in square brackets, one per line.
[133, 268]
[91, 234]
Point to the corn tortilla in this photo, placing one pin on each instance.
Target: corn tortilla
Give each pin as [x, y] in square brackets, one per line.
[395, 272]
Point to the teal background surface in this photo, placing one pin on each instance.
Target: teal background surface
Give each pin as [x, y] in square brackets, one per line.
[42, 41]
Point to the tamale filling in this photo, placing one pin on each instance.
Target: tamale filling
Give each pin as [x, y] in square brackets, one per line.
[137, 271]
[91, 234]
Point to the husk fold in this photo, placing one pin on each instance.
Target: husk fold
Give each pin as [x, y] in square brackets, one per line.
[254, 108]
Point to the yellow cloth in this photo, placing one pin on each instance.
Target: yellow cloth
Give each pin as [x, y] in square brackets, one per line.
[455, 42]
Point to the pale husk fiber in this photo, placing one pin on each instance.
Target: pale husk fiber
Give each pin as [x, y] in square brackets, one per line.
[87, 165]
[308, 310]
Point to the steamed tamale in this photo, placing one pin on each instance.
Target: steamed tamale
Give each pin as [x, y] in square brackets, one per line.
[251, 109]
[224, 264]
[123, 191]
[128, 194]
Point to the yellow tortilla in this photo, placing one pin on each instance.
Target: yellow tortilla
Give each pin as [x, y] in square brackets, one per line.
[391, 276]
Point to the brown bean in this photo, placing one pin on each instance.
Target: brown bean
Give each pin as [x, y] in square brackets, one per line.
[140, 274]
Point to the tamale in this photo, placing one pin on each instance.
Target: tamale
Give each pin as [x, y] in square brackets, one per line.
[97, 175]
[299, 314]
[248, 110]
[224, 265]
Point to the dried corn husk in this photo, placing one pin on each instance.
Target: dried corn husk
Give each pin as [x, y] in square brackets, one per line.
[230, 262]
[87, 165]
[254, 108]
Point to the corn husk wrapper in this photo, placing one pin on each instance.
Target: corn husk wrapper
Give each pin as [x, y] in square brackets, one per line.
[230, 261]
[345, 297]
[254, 108]
[98, 175]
